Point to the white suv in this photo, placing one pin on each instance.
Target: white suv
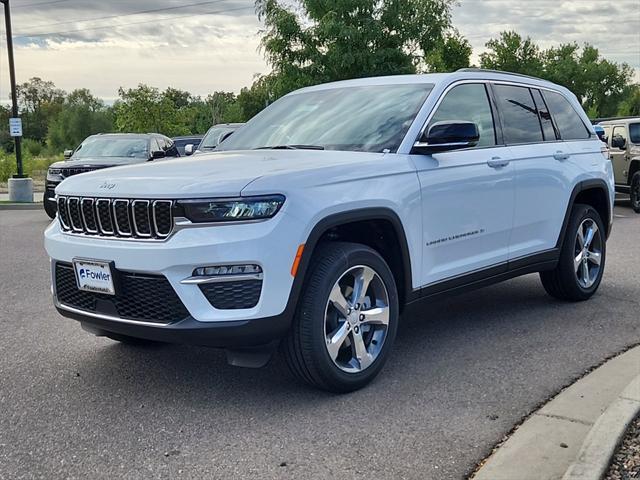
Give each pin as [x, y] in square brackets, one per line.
[333, 211]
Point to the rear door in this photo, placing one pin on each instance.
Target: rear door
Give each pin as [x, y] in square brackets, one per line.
[467, 195]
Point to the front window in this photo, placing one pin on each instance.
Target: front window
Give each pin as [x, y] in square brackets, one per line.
[212, 139]
[112, 147]
[634, 133]
[371, 118]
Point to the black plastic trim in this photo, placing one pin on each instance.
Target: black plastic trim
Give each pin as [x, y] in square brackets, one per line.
[593, 183]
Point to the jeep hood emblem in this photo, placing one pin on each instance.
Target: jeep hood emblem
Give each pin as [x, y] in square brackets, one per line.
[107, 185]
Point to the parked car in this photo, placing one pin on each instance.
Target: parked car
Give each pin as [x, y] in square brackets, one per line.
[105, 150]
[182, 142]
[623, 137]
[335, 209]
[213, 137]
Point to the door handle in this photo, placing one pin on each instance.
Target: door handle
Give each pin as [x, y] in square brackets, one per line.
[561, 155]
[497, 162]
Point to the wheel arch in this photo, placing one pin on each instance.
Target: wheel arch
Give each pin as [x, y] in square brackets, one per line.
[634, 167]
[593, 192]
[338, 227]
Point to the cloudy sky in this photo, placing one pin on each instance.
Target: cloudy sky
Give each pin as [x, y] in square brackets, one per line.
[202, 46]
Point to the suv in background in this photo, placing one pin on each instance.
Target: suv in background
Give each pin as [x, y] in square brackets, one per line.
[623, 137]
[213, 137]
[105, 150]
[332, 211]
[182, 142]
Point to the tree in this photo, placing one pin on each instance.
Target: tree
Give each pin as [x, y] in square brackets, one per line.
[630, 106]
[324, 41]
[81, 115]
[39, 101]
[145, 109]
[512, 53]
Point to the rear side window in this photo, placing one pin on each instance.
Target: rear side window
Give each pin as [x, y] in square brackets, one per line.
[468, 102]
[567, 120]
[548, 129]
[634, 133]
[520, 122]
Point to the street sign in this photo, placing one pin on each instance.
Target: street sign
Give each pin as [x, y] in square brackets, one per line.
[15, 127]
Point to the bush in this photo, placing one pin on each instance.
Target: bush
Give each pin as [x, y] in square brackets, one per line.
[34, 167]
[32, 147]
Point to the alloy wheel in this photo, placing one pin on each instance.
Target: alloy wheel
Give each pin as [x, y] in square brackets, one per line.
[356, 319]
[588, 253]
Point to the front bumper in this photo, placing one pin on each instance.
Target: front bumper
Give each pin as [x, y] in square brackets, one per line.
[270, 244]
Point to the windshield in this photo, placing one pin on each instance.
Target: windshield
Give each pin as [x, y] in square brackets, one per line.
[634, 132]
[112, 147]
[212, 138]
[372, 118]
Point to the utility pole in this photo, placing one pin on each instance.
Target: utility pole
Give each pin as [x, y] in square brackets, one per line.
[20, 187]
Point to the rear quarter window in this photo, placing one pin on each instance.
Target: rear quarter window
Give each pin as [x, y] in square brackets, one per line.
[566, 119]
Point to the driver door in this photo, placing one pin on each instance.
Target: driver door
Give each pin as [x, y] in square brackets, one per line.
[467, 195]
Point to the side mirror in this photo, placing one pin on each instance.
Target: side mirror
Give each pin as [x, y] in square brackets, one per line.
[188, 149]
[448, 135]
[67, 154]
[158, 154]
[618, 142]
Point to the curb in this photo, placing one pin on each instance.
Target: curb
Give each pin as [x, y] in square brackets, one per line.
[605, 435]
[20, 206]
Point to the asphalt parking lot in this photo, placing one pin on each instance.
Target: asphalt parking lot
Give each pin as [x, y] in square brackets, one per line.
[462, 374]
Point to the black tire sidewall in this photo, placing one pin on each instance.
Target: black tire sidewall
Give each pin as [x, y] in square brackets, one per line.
[635, 191]
[568, 275]
[313, 316]
[49, 207]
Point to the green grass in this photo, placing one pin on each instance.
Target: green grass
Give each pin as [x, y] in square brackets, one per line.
[34, 167]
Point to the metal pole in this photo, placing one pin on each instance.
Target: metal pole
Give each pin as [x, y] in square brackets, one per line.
[12, 75]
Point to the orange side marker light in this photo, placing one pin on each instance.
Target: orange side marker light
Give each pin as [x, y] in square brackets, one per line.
[296, 261]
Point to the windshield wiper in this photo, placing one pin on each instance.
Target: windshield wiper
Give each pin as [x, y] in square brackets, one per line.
[292, 147]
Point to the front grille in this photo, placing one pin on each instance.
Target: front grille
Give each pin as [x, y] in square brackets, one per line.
[141, 297]
[116, 217]
[70, 171]
[232, 295]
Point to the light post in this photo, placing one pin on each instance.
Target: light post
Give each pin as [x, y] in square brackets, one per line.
[20, 187]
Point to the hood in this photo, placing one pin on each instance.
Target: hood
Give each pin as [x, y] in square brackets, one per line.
[223, 174]
[99, 161]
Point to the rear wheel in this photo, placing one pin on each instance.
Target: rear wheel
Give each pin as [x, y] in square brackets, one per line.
[582, 257]
[346, 319]
[635, 192]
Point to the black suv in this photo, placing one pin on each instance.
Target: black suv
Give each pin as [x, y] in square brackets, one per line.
[106, 150]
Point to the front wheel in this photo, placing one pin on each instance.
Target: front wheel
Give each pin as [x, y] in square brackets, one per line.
[582, 257]
[346, 319]
[635, 192]
[50, 207]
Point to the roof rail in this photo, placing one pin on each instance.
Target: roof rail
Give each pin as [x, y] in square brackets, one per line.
[610, 119]
[489, 70]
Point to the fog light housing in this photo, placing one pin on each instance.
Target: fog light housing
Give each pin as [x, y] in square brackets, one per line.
[222, 270]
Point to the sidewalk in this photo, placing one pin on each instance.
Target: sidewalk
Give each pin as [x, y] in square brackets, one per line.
[5, 205]
[575, 434]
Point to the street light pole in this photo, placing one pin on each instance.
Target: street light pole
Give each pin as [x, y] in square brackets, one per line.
[12, 75]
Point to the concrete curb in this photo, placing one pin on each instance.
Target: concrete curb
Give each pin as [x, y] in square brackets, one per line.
[569, 429]
[605, 435]
[21, 206]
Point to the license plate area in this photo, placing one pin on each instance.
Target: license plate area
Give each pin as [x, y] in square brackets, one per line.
[94, 276]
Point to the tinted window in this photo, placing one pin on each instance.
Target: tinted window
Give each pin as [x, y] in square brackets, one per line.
[368, 118]
[545, 117]
[469, 103]
[634, 132]
[520, 122]
[107, 146]
[565, 117]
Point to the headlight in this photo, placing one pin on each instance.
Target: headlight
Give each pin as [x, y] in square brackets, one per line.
[230, 210]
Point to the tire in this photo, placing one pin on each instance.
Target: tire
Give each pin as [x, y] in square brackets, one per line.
[49, 206]
[568, 280]
[635, 192]
[320, 315]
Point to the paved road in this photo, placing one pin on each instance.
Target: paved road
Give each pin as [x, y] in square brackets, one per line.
[461, 376]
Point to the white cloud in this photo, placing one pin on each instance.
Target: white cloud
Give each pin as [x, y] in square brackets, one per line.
[189, 48]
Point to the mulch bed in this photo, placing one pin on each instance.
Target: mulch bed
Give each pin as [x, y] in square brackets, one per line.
[625, 464]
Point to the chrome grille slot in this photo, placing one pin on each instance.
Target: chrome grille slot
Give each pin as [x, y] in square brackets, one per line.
[162, 217]
[141, 220]
[116, 217]
[103, 209]
[63, 213]
[89, 215]
[75, 218]
[121, 217]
